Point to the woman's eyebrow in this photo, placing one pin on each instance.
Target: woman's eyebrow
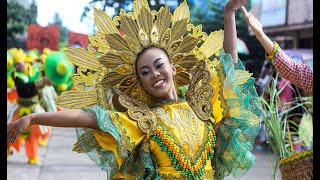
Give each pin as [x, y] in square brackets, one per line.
[156, 60]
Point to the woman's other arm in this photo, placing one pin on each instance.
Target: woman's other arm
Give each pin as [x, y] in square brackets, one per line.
[230, 31]
[67, 118]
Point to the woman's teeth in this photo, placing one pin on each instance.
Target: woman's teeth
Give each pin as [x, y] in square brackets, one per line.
[158, 83]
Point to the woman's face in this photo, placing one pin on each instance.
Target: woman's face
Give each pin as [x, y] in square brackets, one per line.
[155, 72]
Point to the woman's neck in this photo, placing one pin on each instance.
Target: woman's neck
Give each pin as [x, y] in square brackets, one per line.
[172, 96]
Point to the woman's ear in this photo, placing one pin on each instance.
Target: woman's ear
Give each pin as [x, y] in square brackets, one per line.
[174, 70]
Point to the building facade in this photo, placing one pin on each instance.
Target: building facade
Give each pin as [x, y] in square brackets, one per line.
[289, 22]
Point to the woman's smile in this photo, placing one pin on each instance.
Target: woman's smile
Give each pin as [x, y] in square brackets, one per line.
[159, 83]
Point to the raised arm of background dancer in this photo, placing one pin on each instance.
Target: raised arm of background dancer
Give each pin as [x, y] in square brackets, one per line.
[230, 31]
[256, 27]
[299, 74]
[67, 118]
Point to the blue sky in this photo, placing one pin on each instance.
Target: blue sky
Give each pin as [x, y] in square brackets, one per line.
[69, 11]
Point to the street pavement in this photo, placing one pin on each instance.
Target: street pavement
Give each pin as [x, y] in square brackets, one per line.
[57, 161]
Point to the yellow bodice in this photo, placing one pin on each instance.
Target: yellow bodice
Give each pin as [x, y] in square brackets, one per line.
[179, 131]
[181, 127]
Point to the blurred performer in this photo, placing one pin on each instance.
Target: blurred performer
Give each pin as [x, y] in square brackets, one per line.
[47, 94]
[11, 90]
[27, 83]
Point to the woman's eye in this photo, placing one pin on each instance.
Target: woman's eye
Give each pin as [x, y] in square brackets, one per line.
[160, 65]
[144, 73]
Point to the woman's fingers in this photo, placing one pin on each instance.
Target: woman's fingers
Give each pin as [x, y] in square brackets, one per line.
[244, 11]
[12, 134]
[14, 137]
[11, 137]
[248, 15]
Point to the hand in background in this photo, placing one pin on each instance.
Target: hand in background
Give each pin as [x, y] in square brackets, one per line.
[234, 4]
[253, 22]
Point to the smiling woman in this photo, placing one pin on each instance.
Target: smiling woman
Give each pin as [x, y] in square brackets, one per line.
[130, 116]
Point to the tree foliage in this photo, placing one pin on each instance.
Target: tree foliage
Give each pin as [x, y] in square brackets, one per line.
[64, 31]
[116, 4]
[19, 17]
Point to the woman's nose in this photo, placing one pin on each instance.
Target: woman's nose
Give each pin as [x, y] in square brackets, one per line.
[155, 74]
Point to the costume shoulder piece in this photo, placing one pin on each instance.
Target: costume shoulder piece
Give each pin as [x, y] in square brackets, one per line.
[114, 66]
[200, 92]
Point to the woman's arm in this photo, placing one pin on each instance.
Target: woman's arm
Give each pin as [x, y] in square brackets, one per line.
[230, 31]
[67, 118]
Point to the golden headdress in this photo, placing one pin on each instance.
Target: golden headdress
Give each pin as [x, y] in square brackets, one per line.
[142, 28]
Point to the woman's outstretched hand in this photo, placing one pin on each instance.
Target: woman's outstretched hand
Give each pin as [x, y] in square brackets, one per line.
[15, 128]
[253, 22]
[234, 4]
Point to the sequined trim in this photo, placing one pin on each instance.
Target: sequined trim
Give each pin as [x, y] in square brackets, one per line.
[123, 132]
[177, 157]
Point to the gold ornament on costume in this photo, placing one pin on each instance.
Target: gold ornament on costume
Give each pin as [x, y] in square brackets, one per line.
[200, 91]
[147, 119]
[112, 55]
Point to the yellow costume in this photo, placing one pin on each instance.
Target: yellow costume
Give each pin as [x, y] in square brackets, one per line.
[208, 133]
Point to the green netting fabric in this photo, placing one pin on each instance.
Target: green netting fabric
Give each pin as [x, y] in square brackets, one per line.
[138, 163]
[106, 125]
[141, 164]
[104, 158]
[239, 127]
